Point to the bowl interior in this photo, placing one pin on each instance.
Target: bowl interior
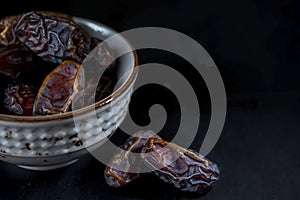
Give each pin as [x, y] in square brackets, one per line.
[125, 71]
[118, 45]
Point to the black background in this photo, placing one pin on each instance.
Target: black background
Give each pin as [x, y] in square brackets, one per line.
[255, 45]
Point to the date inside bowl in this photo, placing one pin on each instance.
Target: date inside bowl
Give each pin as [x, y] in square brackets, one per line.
[49, 60]
[53, 67]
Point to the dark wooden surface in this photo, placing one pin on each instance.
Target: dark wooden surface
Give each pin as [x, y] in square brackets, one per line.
[255, 45]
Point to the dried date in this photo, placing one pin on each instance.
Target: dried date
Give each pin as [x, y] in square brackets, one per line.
[99, 63]
[16, 58]
[95, 92]
[102, 55]
[7, 33]
[19, 98]
[182, 168]
[54, 38]
[103, 89]
[99, 59]
[35, 43]
[59, 89]
[125, 166]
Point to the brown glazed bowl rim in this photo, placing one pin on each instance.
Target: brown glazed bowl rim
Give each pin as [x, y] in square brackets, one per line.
[107, 100]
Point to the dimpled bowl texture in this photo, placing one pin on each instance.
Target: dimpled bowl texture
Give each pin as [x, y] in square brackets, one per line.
[54, 141]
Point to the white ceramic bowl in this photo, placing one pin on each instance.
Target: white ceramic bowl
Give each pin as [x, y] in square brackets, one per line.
[50, 142]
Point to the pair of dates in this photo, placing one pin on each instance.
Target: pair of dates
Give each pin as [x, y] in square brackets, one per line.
[145, 151]
[41, 55]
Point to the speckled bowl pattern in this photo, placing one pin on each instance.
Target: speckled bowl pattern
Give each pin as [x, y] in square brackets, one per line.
[53, 141]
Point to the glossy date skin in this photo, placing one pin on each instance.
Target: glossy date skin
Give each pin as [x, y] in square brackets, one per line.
[7, 33]
[184, 169]
[100, 62]
[119, 172]
[53, 38]
[19, 98]
[37, 42]
[59, 89]
[15, 59]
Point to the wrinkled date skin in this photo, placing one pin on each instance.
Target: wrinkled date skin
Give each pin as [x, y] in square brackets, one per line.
[54, 38]
[19, 98]
[40, 42]
[7, 33]
[59, 89]
[182, 168]
[100, 62]
[120, 170]
[97, 89]
[16, 58]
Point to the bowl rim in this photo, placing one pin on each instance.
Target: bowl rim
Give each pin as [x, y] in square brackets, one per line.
[103, 102]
